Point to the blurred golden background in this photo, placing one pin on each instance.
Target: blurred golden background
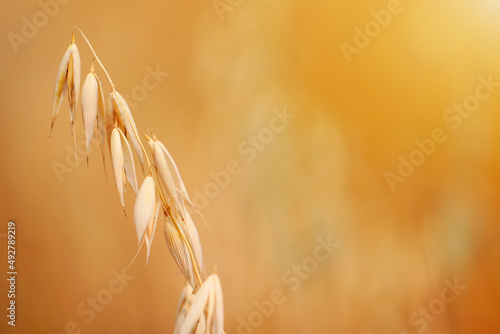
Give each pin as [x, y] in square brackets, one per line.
[363, 81]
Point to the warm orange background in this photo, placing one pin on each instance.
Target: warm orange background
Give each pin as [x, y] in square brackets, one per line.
[322, 175]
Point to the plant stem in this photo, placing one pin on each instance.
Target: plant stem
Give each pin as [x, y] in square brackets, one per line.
[95, 55]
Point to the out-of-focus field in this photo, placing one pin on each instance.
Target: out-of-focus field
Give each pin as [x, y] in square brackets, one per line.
[362, 110]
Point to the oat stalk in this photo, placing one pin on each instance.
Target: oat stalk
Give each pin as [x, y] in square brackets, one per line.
[201, 305]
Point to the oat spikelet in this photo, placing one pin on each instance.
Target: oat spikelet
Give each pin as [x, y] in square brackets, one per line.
[144, 207]
[90, 107]
[61, 87]
[167, 179]
[179, 251]
[176, 176]
[67, 82]
[121, 112]
[170, 177]
[93, 112]
[123, 163]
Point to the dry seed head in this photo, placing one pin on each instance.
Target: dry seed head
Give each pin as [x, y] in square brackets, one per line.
[123, 116]
[201, 312]
[67, 82]
[144, 207]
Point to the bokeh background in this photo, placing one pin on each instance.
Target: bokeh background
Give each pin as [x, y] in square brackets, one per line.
[322, 176]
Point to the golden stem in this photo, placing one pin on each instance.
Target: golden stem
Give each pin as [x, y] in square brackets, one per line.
[95, 55]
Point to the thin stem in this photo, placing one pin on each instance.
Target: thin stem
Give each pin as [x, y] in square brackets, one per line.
[95, 55]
